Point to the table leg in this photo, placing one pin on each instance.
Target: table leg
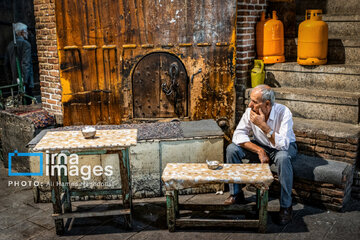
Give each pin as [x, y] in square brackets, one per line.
[263, 203]
[56, 201]
[65, 186]
[170, 210]
[126, 184]
[176, 203]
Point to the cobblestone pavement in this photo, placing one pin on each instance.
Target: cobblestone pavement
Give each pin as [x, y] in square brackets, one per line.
[21, 218]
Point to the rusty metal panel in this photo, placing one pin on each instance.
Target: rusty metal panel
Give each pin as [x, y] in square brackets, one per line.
[112, 36]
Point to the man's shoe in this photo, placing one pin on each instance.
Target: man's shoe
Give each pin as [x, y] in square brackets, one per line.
[235, 199]
[285, 215]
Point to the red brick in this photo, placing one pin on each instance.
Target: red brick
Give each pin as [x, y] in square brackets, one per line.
[321, 136]
[346, 146]
[241, 18]
[337, 139]
[54, 73]
[324, 143]
[351, 154]
[306, 140]
[243, 13]
[50, 101]
[56, 107]
[353, 140]
[45, 95]
[322, 150]
[45, 105]
[339, 153]
[55, 97]
[332, 192]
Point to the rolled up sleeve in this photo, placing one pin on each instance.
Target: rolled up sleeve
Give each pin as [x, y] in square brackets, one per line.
[282, 138]
[241, 134]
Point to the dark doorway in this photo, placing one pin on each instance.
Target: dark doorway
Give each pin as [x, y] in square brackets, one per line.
[11, 12]
[160, 87]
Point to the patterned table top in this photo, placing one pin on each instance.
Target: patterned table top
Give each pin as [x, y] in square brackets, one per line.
[178, 176]
[75, 141]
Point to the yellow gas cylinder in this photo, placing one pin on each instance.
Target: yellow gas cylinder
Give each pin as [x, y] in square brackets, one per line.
[312, 39]
[270, 39]
[257, 73]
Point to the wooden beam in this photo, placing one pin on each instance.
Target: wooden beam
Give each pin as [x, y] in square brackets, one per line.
[217, 207]
[96, 192]
[91, 214]
[216, 223]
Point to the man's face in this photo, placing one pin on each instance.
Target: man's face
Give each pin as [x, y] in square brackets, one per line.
[256, 103]
[25, 34]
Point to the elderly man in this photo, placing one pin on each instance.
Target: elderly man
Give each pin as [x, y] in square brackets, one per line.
[23, 53]
[274, 141]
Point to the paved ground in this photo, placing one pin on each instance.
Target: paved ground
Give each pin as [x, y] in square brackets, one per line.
[21, 218]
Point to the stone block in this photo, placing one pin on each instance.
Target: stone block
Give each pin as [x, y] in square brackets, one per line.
[18, 127]
[323, 77]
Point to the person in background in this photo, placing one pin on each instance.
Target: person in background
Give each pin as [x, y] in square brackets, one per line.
[23, 52]
[274, 142]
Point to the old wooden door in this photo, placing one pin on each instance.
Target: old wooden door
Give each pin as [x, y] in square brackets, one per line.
[160, 87]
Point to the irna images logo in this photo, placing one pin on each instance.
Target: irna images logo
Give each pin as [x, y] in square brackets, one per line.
[16, 153]
[56, 162]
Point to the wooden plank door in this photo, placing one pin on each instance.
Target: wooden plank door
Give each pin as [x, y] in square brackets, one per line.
[160, 87]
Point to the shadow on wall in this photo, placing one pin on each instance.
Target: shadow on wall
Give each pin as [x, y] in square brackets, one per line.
[271, 80]
[302, 5]
[336, 51]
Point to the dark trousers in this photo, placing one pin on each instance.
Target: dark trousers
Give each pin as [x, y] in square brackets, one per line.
[282, 159]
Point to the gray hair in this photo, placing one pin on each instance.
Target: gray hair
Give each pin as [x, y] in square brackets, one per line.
[266, 93]
[19, 27]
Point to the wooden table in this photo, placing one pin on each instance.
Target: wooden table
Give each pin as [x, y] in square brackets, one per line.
[105, 142]
[177, 176]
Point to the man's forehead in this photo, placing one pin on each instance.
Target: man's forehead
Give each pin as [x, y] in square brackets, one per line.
[255, 93]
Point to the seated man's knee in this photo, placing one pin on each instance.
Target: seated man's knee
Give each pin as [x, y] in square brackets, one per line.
[234, 152]
[282, 157]
[231, 149]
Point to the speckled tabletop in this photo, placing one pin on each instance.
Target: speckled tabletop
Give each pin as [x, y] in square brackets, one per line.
[74, 140]
[178, 176]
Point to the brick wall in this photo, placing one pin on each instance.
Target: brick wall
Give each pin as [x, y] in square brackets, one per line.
[343, 149]
[325, 195]
[248, 13]
[44, 11]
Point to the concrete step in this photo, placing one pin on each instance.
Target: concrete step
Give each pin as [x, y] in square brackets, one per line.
[319, 104]
[340, 51]
[340, 26]
[335, 7]
[323, 77]
[326, 139]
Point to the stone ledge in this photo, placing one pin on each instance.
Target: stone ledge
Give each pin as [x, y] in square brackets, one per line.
[320, 182]
[321, 170]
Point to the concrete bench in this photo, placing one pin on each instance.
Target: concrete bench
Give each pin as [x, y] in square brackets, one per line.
[325, 183]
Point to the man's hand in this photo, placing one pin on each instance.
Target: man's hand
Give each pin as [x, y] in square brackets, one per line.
[257, 119]
[263, 157]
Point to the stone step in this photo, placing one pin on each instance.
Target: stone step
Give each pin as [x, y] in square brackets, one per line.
[335, 7]
[340, 51]
[327, 139]
[319, 104]
[323, 77]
